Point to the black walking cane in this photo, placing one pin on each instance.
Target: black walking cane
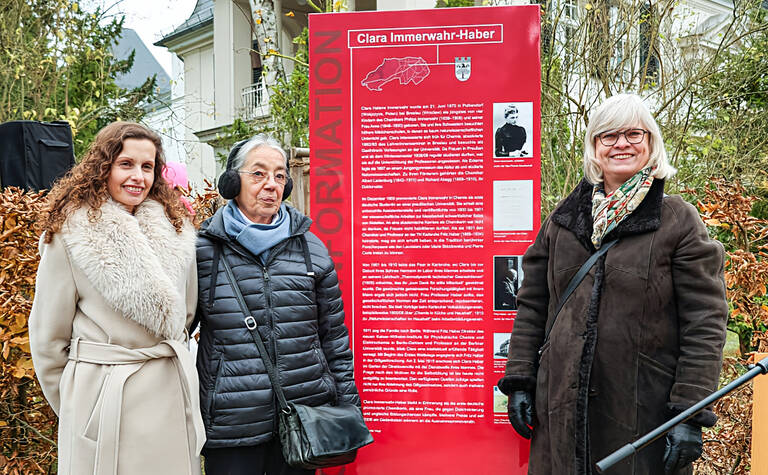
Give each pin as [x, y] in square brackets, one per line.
[630, 449]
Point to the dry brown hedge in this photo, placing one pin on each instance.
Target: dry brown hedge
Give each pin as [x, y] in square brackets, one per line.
[27, 423]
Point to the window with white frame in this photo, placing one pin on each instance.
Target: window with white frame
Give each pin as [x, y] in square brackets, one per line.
[571, 10]
[634, 45]
[621, 60]
[620, 36]
[649, 53]
[568, 36]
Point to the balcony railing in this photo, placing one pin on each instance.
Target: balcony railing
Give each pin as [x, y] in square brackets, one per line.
[255, 100]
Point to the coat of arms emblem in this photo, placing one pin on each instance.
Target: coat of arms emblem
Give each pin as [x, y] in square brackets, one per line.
[463, 67]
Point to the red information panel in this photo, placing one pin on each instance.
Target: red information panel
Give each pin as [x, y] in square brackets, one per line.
[425, 179]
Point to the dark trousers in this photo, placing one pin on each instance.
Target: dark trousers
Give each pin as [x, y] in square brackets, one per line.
[264, 459]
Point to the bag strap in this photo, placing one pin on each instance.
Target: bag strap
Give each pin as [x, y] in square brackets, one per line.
[250, 324]
[575, 281]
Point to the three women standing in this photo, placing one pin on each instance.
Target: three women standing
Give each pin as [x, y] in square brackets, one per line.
[116, 289]
[641, 337]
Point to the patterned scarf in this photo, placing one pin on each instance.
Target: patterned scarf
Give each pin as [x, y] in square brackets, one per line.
[609, 211]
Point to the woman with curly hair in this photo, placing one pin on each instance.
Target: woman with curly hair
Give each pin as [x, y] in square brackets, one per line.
[115, 291]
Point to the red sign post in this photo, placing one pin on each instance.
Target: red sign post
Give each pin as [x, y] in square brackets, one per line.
[425, 179]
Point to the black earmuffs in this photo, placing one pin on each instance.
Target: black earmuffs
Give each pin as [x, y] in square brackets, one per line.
[229, 181]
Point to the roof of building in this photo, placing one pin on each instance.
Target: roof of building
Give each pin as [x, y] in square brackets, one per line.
[201, 16]
[144, 63]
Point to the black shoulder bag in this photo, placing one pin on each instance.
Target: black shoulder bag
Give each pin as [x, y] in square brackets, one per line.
[575, 281]
[311, 437]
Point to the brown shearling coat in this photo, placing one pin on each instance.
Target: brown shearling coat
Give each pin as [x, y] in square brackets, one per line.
[639, 340]
[113, 295]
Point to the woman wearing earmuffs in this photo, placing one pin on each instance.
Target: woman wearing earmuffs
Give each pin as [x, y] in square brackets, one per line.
[288, 282]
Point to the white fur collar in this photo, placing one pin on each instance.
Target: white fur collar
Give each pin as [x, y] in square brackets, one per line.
[136, 262]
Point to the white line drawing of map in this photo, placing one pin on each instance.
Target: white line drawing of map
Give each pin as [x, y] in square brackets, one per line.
[410, 69]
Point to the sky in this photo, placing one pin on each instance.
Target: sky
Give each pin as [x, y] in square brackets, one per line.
[152, 19]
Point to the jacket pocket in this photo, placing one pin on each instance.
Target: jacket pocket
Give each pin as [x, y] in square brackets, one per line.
[327, 377]
[91, 430]
[59, 157]
[215, 391]
[541, 395]
[654, 382]
[543, 349]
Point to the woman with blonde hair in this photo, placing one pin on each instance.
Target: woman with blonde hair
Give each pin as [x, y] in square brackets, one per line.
[640, 338]
[115, 291]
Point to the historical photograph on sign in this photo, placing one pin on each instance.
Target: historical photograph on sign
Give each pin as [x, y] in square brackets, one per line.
[507, 277]
[500, 346]
[512, 125]
[499, 401]
[512, 205]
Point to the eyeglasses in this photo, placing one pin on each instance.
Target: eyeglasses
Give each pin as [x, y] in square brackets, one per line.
[259, 176]
[632, 135]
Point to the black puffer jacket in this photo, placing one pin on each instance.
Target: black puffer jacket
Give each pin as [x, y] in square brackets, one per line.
[300, 318]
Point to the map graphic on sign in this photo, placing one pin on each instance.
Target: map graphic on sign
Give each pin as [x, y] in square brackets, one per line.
[410, 69]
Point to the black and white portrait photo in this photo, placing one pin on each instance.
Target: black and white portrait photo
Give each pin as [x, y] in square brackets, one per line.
[507, 277]
[500, 346]
[513, 123]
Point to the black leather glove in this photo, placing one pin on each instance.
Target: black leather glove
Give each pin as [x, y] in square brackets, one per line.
[683, 447]
[520, 411]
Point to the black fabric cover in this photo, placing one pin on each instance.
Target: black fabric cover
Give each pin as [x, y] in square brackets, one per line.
[34, 154]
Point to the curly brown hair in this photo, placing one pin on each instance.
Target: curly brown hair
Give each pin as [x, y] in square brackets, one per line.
[86, 183]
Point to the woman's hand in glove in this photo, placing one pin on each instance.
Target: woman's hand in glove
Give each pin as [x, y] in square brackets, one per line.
[683, 447]
[520, 411]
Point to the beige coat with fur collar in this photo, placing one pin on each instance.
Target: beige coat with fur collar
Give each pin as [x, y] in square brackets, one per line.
[107, 329]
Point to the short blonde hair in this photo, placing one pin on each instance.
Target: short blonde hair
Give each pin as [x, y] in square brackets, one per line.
[618, 112]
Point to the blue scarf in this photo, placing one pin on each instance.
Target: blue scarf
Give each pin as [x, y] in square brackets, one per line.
[257, 238]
